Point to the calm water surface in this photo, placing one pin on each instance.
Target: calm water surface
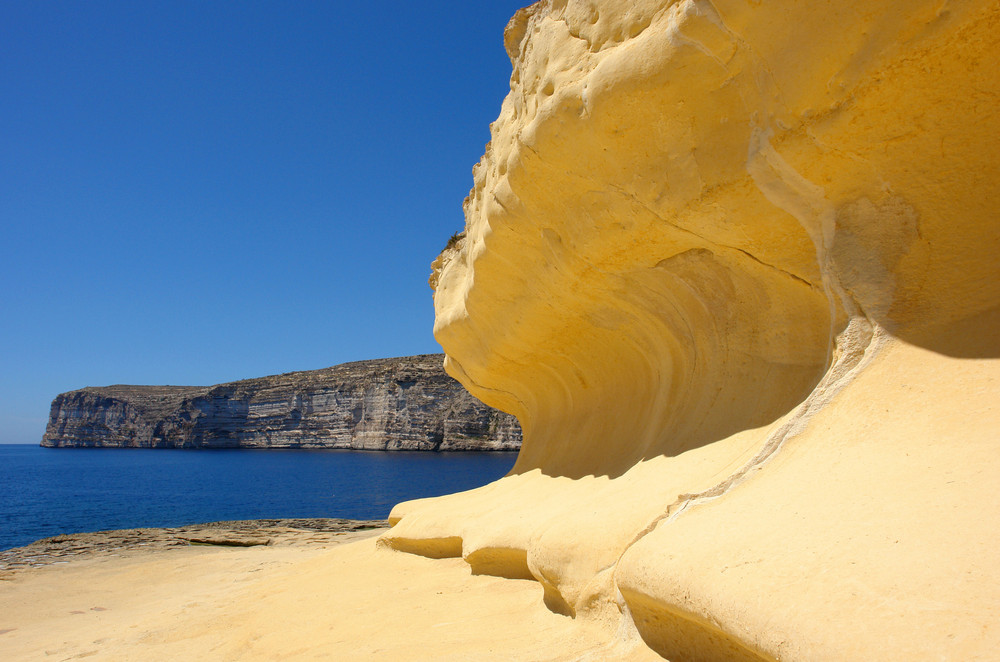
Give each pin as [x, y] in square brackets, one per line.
[48, 491]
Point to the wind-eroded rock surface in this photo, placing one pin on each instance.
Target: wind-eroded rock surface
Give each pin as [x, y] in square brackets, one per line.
[734, 267]
[406, 403]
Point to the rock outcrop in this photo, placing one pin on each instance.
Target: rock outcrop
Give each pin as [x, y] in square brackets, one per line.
[406, 403]
[733, 265]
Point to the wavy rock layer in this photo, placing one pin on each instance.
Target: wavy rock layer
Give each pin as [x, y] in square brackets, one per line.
[733, 266]
[407, 403]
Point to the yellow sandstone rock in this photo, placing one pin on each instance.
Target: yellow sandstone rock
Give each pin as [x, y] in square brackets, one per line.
[733, 265]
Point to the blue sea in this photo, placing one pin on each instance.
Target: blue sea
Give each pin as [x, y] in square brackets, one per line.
[49, 491]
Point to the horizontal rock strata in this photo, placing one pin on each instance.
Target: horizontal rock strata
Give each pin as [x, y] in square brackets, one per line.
[733, 264]
[404, 403]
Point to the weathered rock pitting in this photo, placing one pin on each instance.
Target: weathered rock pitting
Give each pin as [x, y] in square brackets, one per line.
[406, 403]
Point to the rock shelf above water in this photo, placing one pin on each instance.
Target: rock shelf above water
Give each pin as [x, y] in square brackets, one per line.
[238, 533]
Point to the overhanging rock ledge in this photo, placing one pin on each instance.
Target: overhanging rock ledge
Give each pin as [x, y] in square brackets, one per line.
[733, 266]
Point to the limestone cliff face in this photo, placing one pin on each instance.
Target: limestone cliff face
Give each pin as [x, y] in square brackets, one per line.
[734, 267]
[407, 403]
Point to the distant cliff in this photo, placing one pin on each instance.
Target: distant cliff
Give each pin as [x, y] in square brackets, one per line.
[406, 403]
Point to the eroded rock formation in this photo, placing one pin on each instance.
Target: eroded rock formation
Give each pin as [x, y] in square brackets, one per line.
[407, 403]
[734, 267]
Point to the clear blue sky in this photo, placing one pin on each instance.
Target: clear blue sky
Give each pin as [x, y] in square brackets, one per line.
[198, 192]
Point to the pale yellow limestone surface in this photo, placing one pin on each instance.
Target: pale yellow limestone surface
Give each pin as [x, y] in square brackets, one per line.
[352, 602]
[734, 266]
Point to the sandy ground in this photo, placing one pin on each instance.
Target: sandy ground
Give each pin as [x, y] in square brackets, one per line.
[344, 601]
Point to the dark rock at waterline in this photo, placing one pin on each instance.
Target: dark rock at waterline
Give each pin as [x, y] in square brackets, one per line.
[241, 533]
